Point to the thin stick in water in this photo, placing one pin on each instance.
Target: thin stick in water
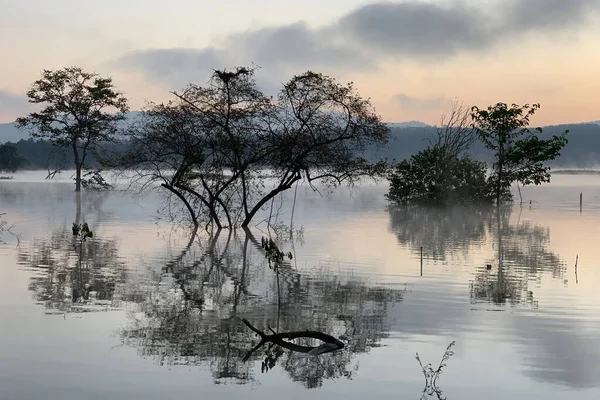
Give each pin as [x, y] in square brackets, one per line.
[421, 260]
[576, 260]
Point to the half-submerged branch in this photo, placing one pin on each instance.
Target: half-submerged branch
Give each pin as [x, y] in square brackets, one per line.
[281, 339]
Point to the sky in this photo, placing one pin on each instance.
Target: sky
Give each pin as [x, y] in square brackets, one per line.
[411, 58]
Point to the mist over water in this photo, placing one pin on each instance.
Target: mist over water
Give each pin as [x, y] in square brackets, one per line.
[143, 312]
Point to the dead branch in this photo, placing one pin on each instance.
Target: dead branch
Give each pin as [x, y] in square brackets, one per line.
[455, 132]
[331, 343]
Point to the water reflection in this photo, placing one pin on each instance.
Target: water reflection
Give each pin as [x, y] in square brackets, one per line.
[521, 249]
[522, 255]
[440, 231]
[68, 278]
[193, 307]
[72, 275]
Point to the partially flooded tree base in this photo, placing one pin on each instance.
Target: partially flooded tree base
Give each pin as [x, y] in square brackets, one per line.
[226, 149]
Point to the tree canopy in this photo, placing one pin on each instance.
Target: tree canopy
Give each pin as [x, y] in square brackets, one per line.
[80, 111]
[519, 151]
[226, 149]
[445, 173]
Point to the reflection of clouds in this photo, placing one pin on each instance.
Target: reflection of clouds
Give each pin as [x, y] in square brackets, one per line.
[557, 351]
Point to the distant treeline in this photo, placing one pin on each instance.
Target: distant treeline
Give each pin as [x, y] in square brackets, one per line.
[582, 151]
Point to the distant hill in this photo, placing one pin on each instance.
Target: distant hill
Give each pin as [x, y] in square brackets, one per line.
[407, 138]
[582, 150]
[409, 124]
[9, 133]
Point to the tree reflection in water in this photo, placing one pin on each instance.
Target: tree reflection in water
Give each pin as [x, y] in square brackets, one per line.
[68, 278]
[64, 283]
[193, 308]
[522, 256]
[521, 251]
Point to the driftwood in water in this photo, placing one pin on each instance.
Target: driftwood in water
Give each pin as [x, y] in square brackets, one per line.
[281, 339]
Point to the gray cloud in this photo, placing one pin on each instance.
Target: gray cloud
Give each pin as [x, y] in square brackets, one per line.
[296, 46]
[426, 30]
[283, 50]
[548, 15]
[414, 103]
[413, 30]
[176, 66]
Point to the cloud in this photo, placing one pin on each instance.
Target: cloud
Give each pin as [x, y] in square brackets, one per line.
[426, 30]
[416, 29]
[548, 15]
[177, 66]
[361, 39]
[283, 50]
[414, 103]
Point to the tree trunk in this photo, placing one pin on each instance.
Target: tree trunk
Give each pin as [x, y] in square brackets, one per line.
[78, 165]
[264, 200]
[185, 202]
[500, 170]
[77, 207]
[78, 179]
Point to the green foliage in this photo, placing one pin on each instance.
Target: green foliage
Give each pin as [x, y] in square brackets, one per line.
[433, 176]
[432, 375]
[81, 110]
[274, 256]
[93, 180]
[519, 152]
[10, 160]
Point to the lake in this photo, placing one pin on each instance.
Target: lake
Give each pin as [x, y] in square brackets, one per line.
[140, 311]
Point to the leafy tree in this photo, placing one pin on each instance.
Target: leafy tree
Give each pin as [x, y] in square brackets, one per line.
[433, 176]
[216, 147]
[81, 110]
[443, 172]
[519, 152]
[10, 160]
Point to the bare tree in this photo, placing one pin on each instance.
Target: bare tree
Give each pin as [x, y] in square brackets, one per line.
[226, 149]
[455, 133]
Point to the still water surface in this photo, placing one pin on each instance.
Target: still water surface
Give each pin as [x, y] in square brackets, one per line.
[144, 313]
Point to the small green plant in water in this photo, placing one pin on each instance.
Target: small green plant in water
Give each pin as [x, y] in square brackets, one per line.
[432, 375]
[274, 256]
[82, 231]
[93, 180]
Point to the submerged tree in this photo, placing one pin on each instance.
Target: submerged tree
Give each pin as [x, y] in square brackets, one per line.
[226, 150]
[435, 177]
[442, 173]
[81, 110]
[519, 152]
